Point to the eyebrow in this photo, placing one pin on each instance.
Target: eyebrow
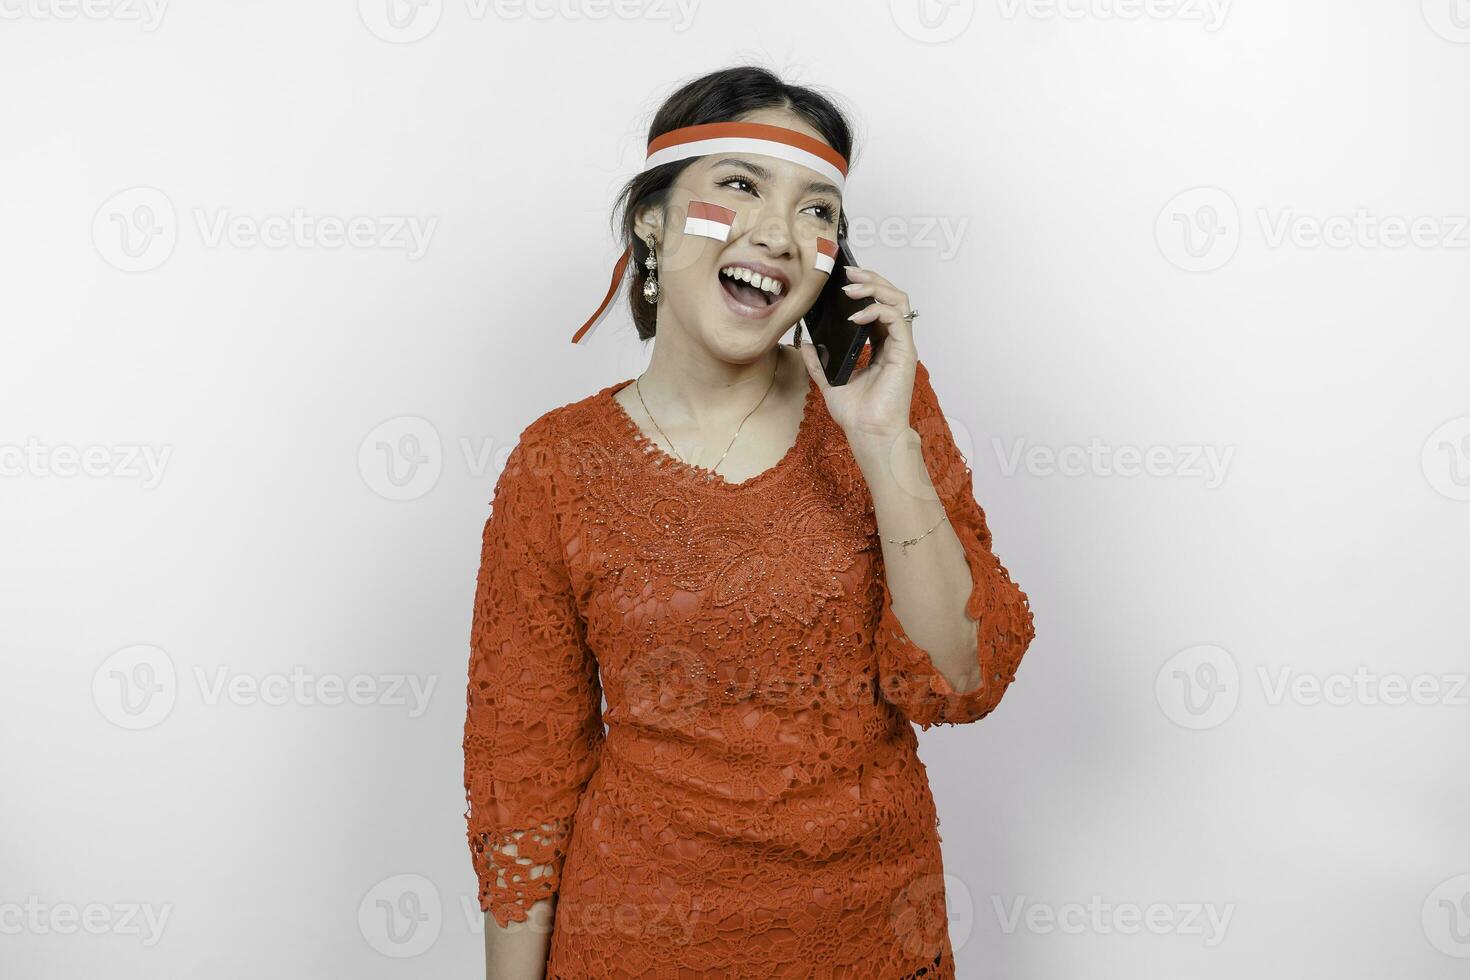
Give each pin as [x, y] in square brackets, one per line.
[812, 187]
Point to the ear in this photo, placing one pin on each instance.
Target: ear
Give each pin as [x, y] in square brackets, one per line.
[650, 221]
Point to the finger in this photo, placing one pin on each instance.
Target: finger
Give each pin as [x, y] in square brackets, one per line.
[890, 317]
[882, 292]
[858, 274]
[879, 310]
[814, 365]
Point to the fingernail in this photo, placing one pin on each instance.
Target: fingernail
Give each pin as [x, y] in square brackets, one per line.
[851, 285]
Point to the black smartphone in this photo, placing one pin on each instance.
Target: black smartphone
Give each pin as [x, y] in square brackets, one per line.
[839, 341]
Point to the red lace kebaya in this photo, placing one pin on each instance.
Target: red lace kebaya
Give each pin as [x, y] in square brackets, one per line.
[756, 806]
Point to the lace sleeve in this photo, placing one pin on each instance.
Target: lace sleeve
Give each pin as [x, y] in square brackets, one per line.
[533, 729]
[1004, 628]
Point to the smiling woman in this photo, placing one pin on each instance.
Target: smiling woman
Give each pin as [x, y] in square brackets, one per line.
[819, 135]
[766, 628]
[780, 205]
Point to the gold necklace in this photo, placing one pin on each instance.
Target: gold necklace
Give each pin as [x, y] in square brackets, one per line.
[639, 388]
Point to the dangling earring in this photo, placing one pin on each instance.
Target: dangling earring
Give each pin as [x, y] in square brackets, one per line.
[650, 286]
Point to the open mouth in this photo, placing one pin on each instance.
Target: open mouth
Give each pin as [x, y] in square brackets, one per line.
[749, 289]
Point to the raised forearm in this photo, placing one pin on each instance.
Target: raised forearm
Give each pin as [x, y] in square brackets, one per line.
[929, 581]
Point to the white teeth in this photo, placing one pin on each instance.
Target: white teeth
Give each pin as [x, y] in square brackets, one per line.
[765, 283]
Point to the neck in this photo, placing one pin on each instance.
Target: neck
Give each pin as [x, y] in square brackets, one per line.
[687, 385]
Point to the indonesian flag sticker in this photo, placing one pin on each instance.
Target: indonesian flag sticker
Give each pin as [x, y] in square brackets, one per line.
[709, 221]
[826, 255]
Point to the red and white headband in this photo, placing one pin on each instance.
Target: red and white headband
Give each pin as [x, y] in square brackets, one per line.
[727, 137]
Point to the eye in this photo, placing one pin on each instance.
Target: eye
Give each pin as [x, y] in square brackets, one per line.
[731, 180]
[829, 210]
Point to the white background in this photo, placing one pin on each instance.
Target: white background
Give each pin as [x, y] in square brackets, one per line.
[1129, 194]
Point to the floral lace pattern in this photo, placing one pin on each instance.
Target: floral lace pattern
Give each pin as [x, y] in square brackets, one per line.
[750, 802]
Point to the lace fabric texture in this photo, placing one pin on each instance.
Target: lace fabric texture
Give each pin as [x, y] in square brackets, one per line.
[750, 803]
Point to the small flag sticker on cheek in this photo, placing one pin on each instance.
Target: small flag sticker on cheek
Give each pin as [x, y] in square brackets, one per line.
[826, 254]
[709, 221]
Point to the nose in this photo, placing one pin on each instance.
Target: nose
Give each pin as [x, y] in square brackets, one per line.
[774, 232]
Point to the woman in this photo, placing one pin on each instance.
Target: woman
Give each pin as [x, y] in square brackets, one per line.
[767, 619]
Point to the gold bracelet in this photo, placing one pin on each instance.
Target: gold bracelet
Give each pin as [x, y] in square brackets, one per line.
[921, 537]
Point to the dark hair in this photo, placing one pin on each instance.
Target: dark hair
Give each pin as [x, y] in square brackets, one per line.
[720, 96]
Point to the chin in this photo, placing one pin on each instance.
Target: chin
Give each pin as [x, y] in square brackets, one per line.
[741, 343]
